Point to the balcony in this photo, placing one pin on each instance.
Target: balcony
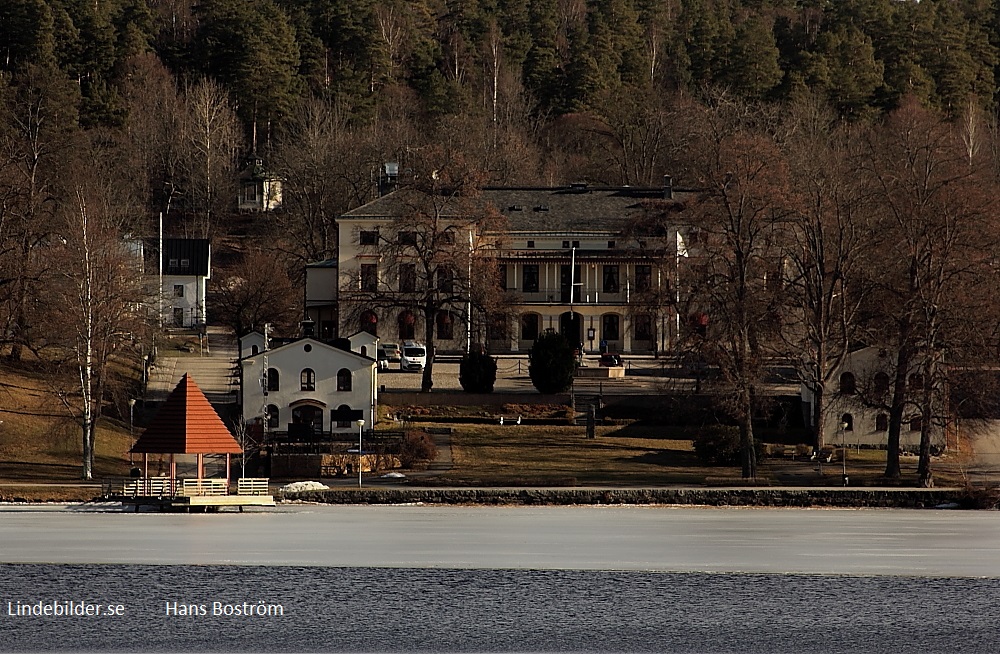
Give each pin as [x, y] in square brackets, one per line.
[581, 297]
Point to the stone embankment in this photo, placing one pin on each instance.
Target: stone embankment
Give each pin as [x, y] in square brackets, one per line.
[791, 497]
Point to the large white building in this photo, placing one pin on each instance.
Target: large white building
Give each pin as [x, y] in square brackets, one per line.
[570, 258]
[296, 387]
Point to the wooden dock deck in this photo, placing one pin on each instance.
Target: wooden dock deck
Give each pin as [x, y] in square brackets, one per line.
[191, 495]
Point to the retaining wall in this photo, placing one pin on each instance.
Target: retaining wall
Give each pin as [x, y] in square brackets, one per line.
[883, 497]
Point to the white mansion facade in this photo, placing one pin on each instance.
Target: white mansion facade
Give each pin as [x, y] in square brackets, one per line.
[570, 259]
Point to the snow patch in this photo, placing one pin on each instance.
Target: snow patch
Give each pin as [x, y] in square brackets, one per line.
[300, 486]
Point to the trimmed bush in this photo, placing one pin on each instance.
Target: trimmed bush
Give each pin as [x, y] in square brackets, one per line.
[719, 445]
[477, 373]
[417, 448]
[552, 363]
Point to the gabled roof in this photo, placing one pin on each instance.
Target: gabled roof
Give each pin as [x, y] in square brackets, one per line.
[187, 424]
[187, 256]
[311, 341]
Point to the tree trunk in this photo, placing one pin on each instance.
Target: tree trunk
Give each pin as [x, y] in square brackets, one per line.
[427, 381]
[896, 408]
[746, 434]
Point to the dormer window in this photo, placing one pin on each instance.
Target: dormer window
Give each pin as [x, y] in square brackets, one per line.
[185, 263]
[531, 244]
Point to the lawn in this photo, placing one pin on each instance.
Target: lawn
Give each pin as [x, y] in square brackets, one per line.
[563, 455]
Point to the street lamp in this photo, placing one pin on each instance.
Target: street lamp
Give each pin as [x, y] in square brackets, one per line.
[131, 429]
[843, 448]
[361, 427]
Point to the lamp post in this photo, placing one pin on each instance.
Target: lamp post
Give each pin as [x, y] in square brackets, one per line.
[361, 427]
[131, 429]
[843, 449]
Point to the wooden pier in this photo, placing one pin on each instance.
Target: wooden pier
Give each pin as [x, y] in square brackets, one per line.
[170, 494]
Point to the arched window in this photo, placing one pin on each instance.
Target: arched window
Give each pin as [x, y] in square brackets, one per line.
[610, 327]
[343, 424]
[881, 422]
[529, 326]
[642, 325]
[364, 350]
[847, 422]
[407, 325]
[848, 385]
[254, 350]
[272, 416]
[273, 380]
[881, 384]
[343, 379]
[916, 424]
[369, 322]
[307, 379]
[916, 382]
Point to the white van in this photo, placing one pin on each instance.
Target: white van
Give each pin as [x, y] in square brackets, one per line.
[413, 356]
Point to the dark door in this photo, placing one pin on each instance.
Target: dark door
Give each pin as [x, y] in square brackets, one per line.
[565, 281]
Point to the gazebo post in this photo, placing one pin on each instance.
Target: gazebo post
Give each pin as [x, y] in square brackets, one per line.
[228, 470]
[173, 475]
[201, 466]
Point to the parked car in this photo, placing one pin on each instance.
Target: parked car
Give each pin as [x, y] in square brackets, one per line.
[391, 351]
[413, 356]
[611, 360]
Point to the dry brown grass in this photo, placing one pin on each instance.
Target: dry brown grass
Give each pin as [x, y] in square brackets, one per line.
[556, 455]
[40, 442]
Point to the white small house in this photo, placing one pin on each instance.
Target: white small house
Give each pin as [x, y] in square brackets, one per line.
[260, 190]
[364, 343]
[185, 268]
[306, 380]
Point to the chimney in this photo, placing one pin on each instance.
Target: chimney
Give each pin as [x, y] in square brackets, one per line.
[668, 187]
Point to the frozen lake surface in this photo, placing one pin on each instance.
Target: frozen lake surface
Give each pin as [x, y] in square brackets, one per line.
[854, 542]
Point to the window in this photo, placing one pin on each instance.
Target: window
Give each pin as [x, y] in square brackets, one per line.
[496, 327]
[178, 290]
[341, 424]
[502, 277]
[448, 238]
[273, 384]
[343, 380]
[445, 325]
[407, 278]
[406, 323]
[254, 349]
[185, 263]
[643, 277]
[307, 380]
[565, 245]
[408, 238]
[529, 326]
[576, 244]
[644, 327]
[916, 424]
[848, 385]
[916, 382]
[611, 279]
[847, 422]
[369, 322]
[369, 277]
[610, 323]
[368, 237]
[531, 244]
[271, 413]
[529, 278]
[611, 245]
[881, 422]
[880, 383]
[445, 279]
[172, 263]
[178, 317]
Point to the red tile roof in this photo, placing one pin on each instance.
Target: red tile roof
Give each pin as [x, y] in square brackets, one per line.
[187, 424]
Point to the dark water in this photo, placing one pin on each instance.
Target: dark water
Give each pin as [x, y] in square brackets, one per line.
[432, 610]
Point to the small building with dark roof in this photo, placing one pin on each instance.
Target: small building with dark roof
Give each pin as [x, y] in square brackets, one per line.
[186, 267]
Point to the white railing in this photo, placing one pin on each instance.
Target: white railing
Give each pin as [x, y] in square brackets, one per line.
[168, 487]
[252, 486]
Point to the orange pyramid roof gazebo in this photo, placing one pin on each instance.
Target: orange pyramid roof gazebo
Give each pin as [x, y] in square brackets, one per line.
[187, 424]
